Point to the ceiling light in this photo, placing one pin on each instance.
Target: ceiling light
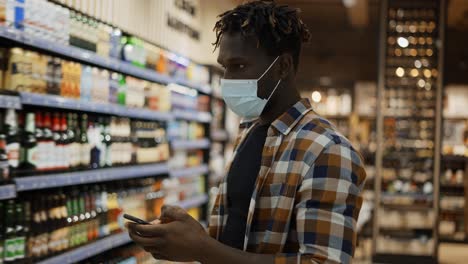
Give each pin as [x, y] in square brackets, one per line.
[427, 73]
[417, 64]
[316, 97]
[400, 72]
[349, 3]
[403, 42]
[421, 83]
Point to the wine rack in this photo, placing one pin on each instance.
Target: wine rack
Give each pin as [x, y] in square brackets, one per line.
[408, 129]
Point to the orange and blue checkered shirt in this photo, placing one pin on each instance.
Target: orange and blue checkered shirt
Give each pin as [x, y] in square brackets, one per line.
[307, 195]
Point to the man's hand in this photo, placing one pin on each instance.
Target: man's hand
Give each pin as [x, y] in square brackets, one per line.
[176, 238]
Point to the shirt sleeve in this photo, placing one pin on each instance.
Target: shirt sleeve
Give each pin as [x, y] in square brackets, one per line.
[329, 200]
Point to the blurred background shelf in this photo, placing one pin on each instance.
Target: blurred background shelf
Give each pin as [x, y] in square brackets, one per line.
[7, 192]
[92, 58]
[89, 176]
[191, 144]
[10, 101]
[89, 250]
[87, 106]
[187, 172]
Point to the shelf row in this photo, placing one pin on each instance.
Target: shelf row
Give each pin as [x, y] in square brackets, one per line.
[112, 241]
[92, 58]
[8, 101]
[191, 144]
[93, 176]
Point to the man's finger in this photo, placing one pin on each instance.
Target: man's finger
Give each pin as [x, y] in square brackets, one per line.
[173, 213]
[148, 230]
[146, 241]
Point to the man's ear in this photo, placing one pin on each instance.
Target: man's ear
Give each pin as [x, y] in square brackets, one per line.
[286, 63]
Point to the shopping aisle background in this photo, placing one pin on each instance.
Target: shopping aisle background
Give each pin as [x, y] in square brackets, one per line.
[114, 106]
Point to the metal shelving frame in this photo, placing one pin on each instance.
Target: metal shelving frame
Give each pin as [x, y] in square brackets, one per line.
[405, 258]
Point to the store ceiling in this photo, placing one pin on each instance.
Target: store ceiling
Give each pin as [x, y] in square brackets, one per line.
[344, 43]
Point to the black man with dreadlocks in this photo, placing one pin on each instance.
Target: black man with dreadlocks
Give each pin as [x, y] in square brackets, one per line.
[292, 192]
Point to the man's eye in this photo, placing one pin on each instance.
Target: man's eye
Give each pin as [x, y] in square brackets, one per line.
[240, 66]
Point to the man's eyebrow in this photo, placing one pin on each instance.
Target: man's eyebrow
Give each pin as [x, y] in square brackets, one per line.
[232, 59]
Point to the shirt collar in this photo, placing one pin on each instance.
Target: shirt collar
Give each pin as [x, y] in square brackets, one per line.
[286, 122]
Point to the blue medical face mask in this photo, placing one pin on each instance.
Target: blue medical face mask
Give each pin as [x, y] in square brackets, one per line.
[241, 95]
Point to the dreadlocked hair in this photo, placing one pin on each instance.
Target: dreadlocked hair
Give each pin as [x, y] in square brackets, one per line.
[277, 28]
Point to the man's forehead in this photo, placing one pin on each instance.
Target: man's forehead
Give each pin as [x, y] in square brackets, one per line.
[235, 45]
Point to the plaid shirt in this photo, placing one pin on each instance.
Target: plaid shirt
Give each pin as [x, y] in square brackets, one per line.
[307, 195]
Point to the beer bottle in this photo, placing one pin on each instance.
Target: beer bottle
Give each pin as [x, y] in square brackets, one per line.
[10, 233]
[74, 144]
[58, 155]
[94, 135]
[29, 147]
[49, 145]
[85, 150]
[20, 240]
[4, 167]
[65, 141]
[12, 141]
[41, 143]
[27, 229]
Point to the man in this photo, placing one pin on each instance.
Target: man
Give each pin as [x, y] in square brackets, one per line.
[292, 192]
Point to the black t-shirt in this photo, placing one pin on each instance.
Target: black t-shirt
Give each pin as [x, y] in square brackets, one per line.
[240, 185]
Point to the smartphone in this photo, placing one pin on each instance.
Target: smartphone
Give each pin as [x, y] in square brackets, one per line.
[135, 219]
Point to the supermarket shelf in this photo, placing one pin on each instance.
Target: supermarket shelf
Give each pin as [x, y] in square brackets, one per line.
[452, 187]
[405, 229]
[112, 241]
[193, 202]
[403, 258]
[86, 106]
[416, 196]
[451, 240]
[336, 116]
[193, 171]
[202, 117]
[95, 59]
[202, 88]
[90, 250]
[454, 158]
[455, 118]
[7, 192]
[9, 101]
[406, 207]
[191, 144]
[456, 211]
[219, 135]
[90, 176]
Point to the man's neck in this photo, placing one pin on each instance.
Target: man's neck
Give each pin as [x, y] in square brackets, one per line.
[279, 106]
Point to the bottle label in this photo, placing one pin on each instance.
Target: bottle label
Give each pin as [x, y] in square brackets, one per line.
[41, 155]
[4, 171]
[51, 155]
[13, 152]
[75, 154]
[59, 156]
[85, 154]
[66, 155]
[20, 247]
[32, 156]
[10, 249]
